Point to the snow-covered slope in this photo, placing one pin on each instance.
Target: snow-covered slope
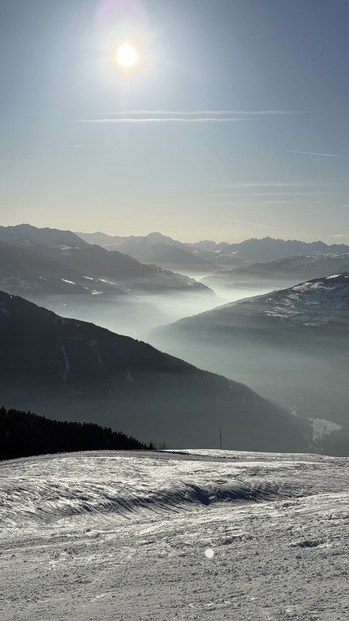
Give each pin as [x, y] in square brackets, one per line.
[195, 535]
[316, 302]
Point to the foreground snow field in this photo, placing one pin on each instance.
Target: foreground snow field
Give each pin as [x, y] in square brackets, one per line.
[159, 536]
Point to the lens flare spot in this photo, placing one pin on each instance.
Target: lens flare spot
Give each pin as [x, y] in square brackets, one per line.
[209, 553]
[127, 55]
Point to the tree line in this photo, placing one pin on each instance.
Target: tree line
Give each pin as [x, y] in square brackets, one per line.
[23, 434]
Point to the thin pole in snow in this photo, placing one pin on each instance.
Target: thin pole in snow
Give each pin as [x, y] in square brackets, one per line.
[220, 438]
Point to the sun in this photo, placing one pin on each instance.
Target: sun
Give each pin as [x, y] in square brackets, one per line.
[127, 55]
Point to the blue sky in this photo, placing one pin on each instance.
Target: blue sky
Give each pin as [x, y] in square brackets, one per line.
[233, 124]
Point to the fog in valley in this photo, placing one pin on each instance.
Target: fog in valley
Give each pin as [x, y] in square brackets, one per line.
[138, 315]
[130, 315]
[282, 337]
[310, 382]
[301, 364]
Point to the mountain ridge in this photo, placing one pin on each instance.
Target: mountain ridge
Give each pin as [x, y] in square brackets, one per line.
[290, 344]
[209, 255]
[52, 365]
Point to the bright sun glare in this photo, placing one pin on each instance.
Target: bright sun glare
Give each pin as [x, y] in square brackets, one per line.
[127, 55]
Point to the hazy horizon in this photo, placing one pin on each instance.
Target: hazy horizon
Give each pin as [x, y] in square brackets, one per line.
[232, 124]
[186, 239]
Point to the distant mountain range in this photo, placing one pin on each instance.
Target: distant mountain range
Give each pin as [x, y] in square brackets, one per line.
[69, 369]
[57, 253]
[228, 265]
[156, 248]
[207, 256]
[269, 249]
[281, 272]
[66, 274]
[292, 345]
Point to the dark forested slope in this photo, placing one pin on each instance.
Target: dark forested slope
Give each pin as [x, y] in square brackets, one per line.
[23, 434]
[70, 369]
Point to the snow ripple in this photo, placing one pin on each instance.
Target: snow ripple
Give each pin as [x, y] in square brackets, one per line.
[45, 503]
[41, 491]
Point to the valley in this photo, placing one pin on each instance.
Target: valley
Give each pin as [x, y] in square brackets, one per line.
[288, 344]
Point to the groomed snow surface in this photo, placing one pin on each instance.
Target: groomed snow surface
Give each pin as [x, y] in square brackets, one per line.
[161, 536]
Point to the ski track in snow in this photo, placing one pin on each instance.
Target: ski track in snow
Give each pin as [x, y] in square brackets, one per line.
[195, 535]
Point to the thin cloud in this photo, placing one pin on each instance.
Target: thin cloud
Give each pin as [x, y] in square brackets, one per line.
[277, 184]
[267, 203]
[309, 153]
[203, 112]
[265, 194]
[183, 116]
[247, 185]
[168, 119]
